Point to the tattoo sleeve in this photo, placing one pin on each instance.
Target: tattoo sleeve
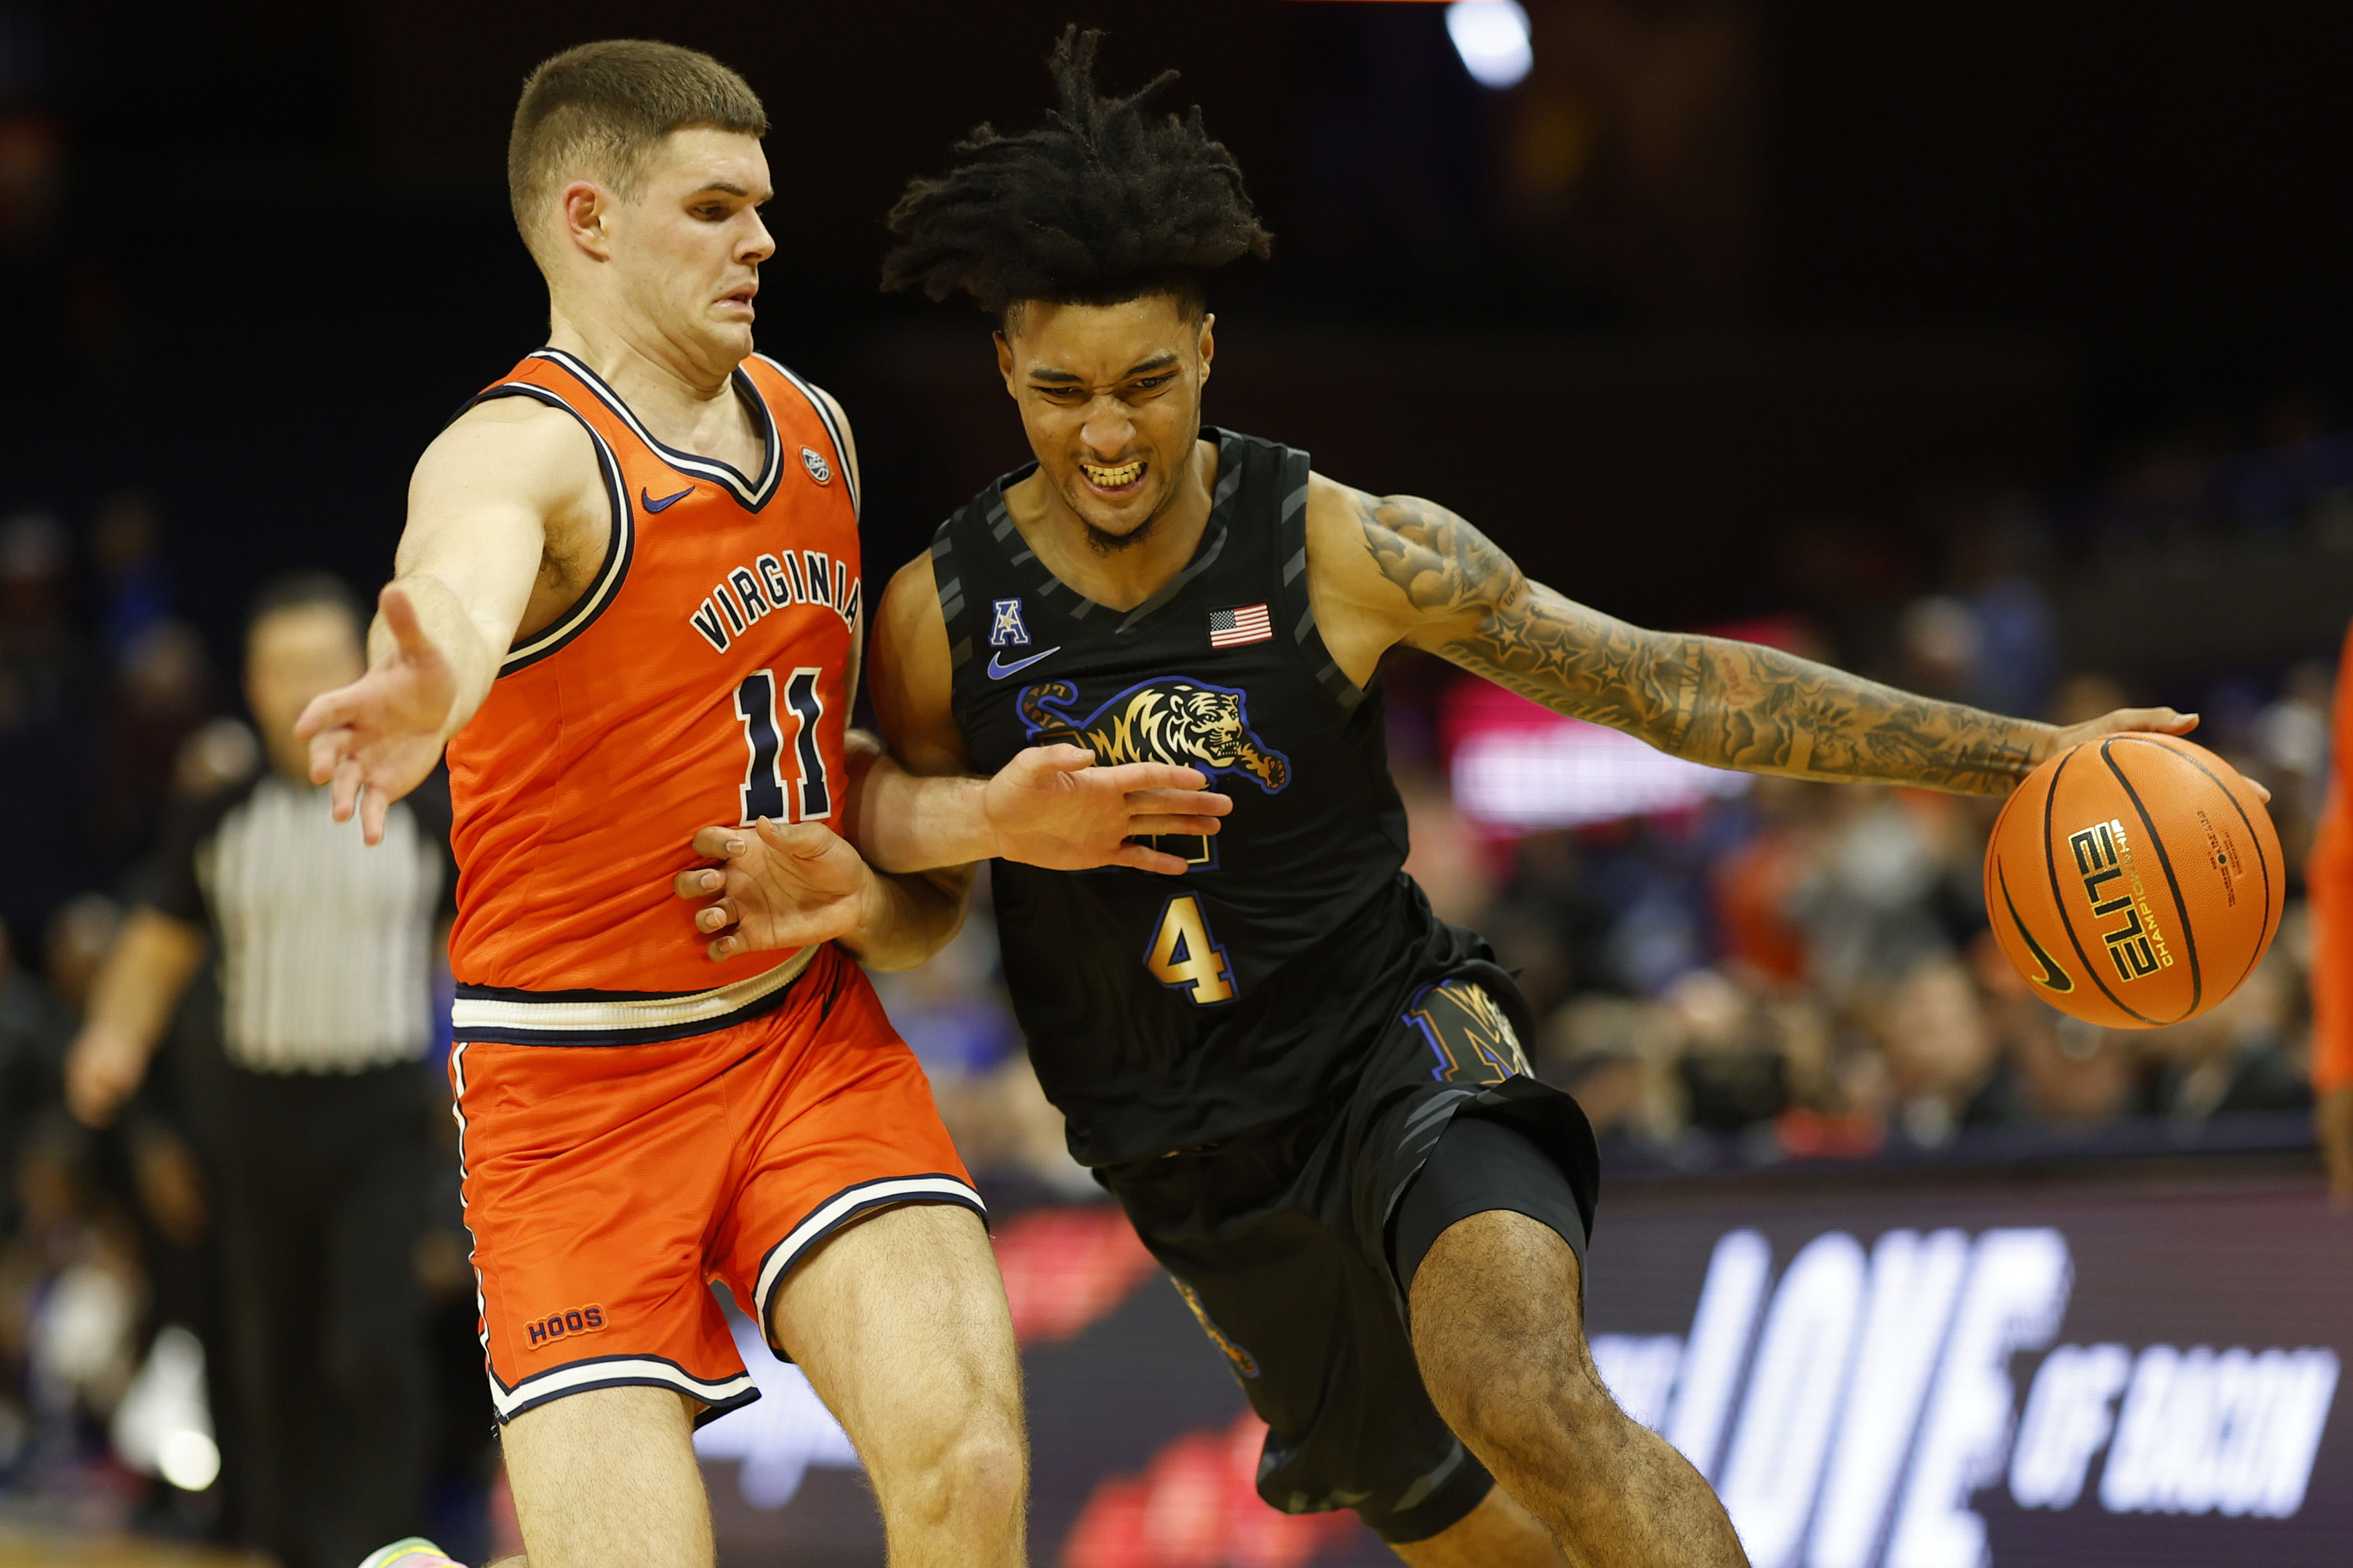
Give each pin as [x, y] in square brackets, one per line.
[1710, 699]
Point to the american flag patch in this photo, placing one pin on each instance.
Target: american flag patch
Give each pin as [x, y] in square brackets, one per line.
[1231, 629]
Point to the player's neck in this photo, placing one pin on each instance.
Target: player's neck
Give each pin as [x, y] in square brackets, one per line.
[1124, 577]
[686, 404]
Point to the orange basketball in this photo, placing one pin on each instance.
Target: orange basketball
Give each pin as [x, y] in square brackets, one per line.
[2135, 880]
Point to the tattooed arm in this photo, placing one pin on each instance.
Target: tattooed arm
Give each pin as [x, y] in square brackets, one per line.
[1398, 569]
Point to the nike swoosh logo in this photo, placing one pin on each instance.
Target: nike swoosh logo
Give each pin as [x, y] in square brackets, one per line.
[666, 502]
[998, 669]
[2052, 977]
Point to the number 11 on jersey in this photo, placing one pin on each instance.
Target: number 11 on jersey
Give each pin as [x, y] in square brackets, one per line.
[763, 776]
[1185, 957]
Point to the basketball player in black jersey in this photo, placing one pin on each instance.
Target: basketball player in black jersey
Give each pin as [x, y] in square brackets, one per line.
[1306, 1090]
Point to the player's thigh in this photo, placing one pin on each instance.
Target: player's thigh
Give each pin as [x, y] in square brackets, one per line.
[901, 1324]
[1498, 1534]
[608, 1476]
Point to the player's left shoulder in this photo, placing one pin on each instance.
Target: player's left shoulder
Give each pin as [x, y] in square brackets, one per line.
[1335, 520]
[1347, 530]
[829, 409]
[1358, 607]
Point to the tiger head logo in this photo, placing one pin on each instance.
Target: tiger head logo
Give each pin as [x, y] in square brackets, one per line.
[1186, 723]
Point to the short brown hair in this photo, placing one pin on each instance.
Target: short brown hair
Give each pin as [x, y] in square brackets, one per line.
[607, 105]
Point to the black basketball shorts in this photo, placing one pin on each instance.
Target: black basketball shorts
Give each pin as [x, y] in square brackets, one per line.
[1288, 1244]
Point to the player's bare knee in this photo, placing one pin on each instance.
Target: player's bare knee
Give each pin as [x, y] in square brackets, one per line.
[1473, 1365]
[1533, 1406]
[964, 1472]
[954, 1454]
[990, 1473]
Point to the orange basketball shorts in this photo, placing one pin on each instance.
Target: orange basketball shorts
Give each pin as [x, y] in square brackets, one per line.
[608, 1186]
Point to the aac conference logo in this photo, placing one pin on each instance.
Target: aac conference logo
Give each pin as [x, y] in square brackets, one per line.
[1878, 1398]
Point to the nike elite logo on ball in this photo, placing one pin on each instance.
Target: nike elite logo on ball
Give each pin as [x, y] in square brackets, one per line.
[666, 502]
[2052, 977]
[999, 666]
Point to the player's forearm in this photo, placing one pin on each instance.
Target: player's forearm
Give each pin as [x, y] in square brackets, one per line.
[1763, 710]
[904, 822]
[1738, 705]
[909, 918]
[472, 656]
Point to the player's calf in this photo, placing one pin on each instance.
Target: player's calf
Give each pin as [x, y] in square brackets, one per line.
[1499, 1533]
[1496, 1334]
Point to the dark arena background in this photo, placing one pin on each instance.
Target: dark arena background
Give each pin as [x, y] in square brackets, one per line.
[2004, 352]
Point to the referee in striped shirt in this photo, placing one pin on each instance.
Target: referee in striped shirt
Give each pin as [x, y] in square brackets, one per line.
[324, 954]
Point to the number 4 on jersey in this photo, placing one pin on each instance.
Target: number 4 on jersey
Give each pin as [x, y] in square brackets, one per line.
[1184, 955]
[763, 777]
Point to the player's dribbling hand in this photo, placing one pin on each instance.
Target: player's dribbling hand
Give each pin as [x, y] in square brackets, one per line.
[1053, 807]
[2123, 721]
[376, 739]
[775, 886]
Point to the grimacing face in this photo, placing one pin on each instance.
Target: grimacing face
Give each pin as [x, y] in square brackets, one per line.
[686, 252]
[1111, 399]
[291, 657]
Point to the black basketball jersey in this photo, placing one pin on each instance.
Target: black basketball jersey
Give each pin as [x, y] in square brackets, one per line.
[1169, 1012]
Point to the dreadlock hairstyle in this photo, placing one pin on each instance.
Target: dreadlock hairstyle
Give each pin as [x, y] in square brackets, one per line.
[1102, 203]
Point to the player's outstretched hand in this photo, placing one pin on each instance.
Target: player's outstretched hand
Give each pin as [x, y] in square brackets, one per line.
[775, 886]
[377, 738]
[1052, 806]
[2123, 721]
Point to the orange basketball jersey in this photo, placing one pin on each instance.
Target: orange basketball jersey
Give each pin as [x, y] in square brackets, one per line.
[703, 677]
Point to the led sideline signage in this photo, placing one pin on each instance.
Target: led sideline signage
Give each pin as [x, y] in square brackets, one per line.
[1923, 1369]
[1877, 1399]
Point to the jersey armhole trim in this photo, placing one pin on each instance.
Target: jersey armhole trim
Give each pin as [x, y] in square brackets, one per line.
[823, 411]
[1291, 552]
[950, 588]
[620, 545]
[948, 584]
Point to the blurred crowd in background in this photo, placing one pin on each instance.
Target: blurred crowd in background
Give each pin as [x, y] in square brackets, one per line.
[1780, 971]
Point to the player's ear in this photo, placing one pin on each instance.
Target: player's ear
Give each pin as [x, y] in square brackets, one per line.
[1005, 362]
[584, 208]
[1207, 345]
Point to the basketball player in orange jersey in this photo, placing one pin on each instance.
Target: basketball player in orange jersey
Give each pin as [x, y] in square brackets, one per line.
[629, 599]
[2328, 877]
[1305, 1088]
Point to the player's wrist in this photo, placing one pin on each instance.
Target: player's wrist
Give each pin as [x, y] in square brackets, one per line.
[997, 832]
[876, 912]
[2043, 742]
